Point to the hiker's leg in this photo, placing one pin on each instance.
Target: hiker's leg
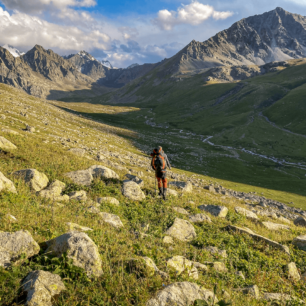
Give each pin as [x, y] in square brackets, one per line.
[160, 185]
[165, 182]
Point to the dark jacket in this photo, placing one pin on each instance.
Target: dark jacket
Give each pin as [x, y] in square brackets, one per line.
[164, 155]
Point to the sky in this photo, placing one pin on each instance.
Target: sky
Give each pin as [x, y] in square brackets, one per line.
[124, 32]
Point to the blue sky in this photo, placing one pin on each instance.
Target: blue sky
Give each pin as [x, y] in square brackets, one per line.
[124, 32]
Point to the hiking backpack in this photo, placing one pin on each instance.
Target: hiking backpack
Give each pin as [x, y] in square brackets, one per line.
[158, 163]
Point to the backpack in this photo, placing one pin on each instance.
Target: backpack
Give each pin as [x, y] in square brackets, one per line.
[158, 163]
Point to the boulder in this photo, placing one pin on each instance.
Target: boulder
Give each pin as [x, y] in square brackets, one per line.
[14, 247]
[29, 129]
[300, 242]
[172, 192]
[77, 151]
[180, 264]
[135, 179]
[215, 210]
[210, 188]
[153, 268]
[80, 177]
[215, 251]
[102, 172]
[199, 218]
[6, 184]
[93, 210]
[275, 227]
[54, 191]
[80, 196]
[182, 294]
[111, 219]
[271, 297]
[41, 286]
[80, 248]
[293, 272]
[132, 191]
[9, 131]
[180, 210]
[6, 144]
[252, 290]
[219, 267]
[35, 179]
[200, 266]
[247, 231]
[182, 230]
[184, 186]
[247, 213]
[75, 227]
[168, 240]
[108, 200]
[300, 221]
[283, 219]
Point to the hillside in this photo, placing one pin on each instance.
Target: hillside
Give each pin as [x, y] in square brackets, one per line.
[231, 266]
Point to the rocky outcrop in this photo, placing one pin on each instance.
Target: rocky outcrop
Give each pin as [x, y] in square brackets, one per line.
[199, 218]
[80, 177]
[6, 144]
[80, 248]
[180, 264]
[35, 179]
[108, 200]
[54, 192]
[80, 195]
[41, 286]
[111, 219]
[182, 230]
[247, 213]
[6, 184]
[215, 210]
[102, 172]
[132, 191]
[183, 186]
[275, 227]
[14, 247]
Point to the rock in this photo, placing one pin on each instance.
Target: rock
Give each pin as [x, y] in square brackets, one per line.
[182, 230]
[180, 264]
[214, 250]
[9, 218]
[132, 191]
[77, 151]
[293, 272]
[14, 247]
[182, 294]
[93, 210]
[191, 203]
[279, 297]
[275, 227]
[41, 286]
[35, 179]
[172, 192]
[180, 210]
[252, 290]
[240, 274]
[135, 179]
[54, 191]
[220, 267]
[247, 213]
[200, 266]
[111, 219]
[75, 227]
[9, 131]
[300, 221]
[151, 266]
[247, 231]
[100, 157]
[210, 188]
[108, 200]
[185, 187]
[168, 240]
[80, 248]
[102, 172]
[282, 219]
[29, 129]
[215, 210]
[199, 218]
[80, 196]
[6, 144]
[80, 177]
[300, 242]
[6, 184]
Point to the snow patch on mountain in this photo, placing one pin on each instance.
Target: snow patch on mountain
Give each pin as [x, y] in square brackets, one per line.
[107, 64]
[132, 66]
[14, 51]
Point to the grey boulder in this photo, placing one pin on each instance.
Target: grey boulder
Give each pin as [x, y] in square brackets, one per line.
[132, 191]
[6, 144]
[199, 218]
[6, 184]
[108, 200]
[182, 230]
[80, 177]
[102, 172]
[35, 179]
[215, 210]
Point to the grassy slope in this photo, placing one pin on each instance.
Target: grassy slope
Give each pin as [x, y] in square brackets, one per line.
[46, 150]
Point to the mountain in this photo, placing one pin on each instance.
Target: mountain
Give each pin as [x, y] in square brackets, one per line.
[132, 66]
[14, 51]
[273, 36]
[107, 64]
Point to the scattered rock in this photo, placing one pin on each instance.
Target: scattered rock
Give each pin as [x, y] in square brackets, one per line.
[9, 131]
[182, 230]
[100, 157]
[9, 218]
[283, 219]
[172, 192]
[279, 297]
[77, 151]
[41, 286]
[168, 240]
[6, 144]
[75, 227]
[180, 210]
[111, 219]
[240, 274]
[80, 248]
[152, 266]
[252, 290]
[200, 266]
[17, 245]
[182, 294]
[210, 188]
[102, 172]
[180, 264]
[247, 213]
[80, 177]
[199, 218]
[93, 210]
[108, 200]
[132, 191]
[215, 251]
[219, 267]
[6, 184]
[300, 221]
[80, 196]
[275, 227]
[185, 187]
[29, 129]
[215, 210]
[54, 191]
[293, 272]
[35, 179]
[135, 179]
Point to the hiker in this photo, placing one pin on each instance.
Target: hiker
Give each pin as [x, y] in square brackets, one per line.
[160, 163]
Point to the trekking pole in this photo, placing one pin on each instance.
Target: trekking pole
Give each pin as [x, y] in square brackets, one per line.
[155, 188]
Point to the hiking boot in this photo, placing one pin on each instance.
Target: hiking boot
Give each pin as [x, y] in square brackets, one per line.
[160, 191]
[165, 194]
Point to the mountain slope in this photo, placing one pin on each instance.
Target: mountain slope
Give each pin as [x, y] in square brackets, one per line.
[14, 51]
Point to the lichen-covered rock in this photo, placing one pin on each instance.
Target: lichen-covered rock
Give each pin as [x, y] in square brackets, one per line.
[215, 251]
[199, 218]
[275, 227]
[180, 264]
[270, 297]
[183, 186]
[153, 268]
[77, 151]
[6, 184]
[76, 227]
[300, 221]
[132, 191]
[80, 177]
[41, 286]
[182, 294]
[35, 179]
[102, 172]
[54, 192]
[6, 144]
[252, 290]
[181, 210]
[293, 272]
[80, 248]
[168, 240]
[219, 267]
[247, 213]
[135, 179]
[182, 230]
[80, 196]
[111, 219]
[215, 210]
[17, 245]
[108, 200]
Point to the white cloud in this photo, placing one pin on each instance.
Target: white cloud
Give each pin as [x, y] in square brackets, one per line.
[194, 13]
